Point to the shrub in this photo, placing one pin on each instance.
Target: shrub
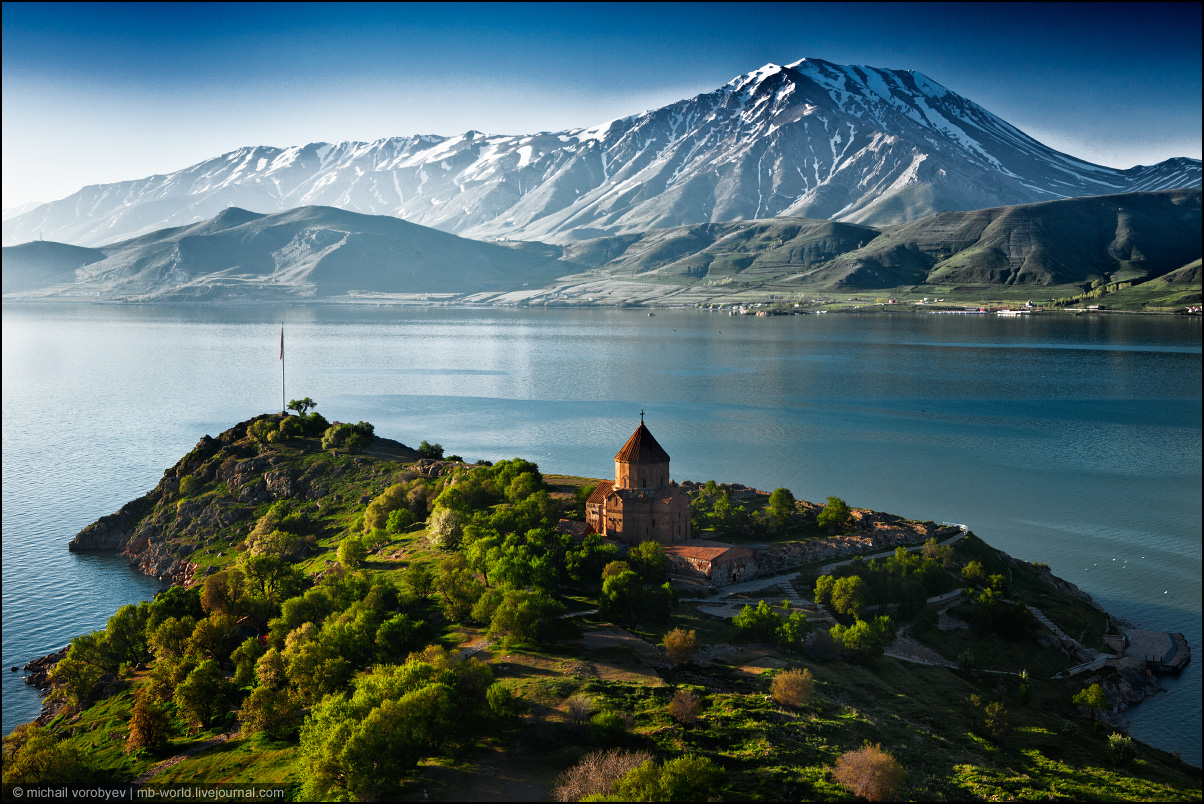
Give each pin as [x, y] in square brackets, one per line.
[869, 772]
[608, 727]
[348, 436]
[290, 428]
[688, 778]
[190, 485]
[1092, 698]
[579, 708]
[994, 716]
[1121, 749]
[822, 646]
[680, 645]
[793, 687]
[262, 430]
[597, 774]
[684, 707]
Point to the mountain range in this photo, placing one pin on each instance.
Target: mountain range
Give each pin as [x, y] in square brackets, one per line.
[304, 253]
[327, 253]
[855, 144]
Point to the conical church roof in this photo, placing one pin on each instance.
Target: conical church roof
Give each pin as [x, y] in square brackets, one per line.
[642, 447]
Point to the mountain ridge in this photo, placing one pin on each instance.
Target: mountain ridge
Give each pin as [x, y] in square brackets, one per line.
[812, 139]
[323, 253]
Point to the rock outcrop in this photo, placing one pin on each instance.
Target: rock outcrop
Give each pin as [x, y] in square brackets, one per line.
[159, 530]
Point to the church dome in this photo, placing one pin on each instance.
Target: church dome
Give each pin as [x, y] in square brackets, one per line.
[642, 448]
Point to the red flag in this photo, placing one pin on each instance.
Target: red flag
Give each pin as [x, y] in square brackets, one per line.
[282, 343]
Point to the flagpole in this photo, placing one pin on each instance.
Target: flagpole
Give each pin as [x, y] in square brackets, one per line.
[283, 409]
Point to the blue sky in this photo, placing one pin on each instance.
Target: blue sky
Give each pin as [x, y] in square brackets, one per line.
[106, 92]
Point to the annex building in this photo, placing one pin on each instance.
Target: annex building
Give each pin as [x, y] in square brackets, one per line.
[642, 504]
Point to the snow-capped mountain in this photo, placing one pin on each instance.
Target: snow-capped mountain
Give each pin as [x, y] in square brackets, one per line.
[815, 139]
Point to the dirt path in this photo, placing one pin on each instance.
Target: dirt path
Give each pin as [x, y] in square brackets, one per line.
[191, 751]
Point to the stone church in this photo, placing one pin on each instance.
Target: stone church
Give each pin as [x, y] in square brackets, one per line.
[642, 504]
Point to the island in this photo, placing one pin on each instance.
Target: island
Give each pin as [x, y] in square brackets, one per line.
[347, 617]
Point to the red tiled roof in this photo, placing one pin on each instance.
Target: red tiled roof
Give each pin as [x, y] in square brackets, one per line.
[600, 492]
[700, 549]
[573, 527]
[642, 447]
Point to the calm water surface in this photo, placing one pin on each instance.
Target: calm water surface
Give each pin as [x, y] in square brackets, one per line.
[1076, 442]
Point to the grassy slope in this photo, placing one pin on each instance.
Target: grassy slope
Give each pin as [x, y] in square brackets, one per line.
[920, 714]
[1033, 251]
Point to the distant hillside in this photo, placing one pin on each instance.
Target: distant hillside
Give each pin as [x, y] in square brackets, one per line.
[310, 252]
[1119, 237]
[715, 250]
[327, 253]
[1129, 236]
[43, 263]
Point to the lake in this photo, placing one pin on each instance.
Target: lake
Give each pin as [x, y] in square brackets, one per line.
[1072, 441]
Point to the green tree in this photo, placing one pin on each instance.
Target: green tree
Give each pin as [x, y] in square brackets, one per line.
[225, 593]
[458, 586]
[202, 696]
[522, 487]
[302, 405]
[290, 428]
[428, 450]
[33, 756]
[781, 506]
[244, 657]
[262, 430]
[626, 598]
[1121, 748]
[834, 515]
[366, 745]
[125, 634]
[863, 640]
[213, 637]
[399, 520]
[272, 576]
[170, 639]
[272, 710]
[649, 561]
[351, 552]
[527, 616]
[1092, 698]
[72, 679]
[848, 596]
[793, 631]
[759, 624]
[823, 589]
